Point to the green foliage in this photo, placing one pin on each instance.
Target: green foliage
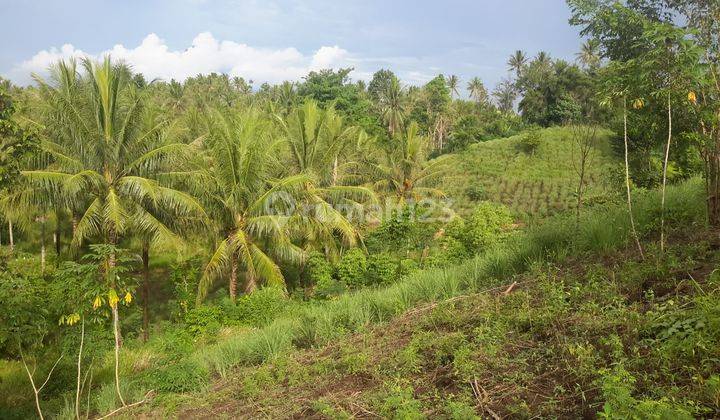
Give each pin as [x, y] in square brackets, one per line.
[398, 402]
[16, 144]
[617, 387]
[181, 376]
[487, 225]
[184, 277]
[352, 268]
[259, 308]
[204, 320]
[530, 141]
[381, 269]
[320, 274]
[333, 87]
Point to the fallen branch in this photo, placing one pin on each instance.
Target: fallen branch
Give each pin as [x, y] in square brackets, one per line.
[482, 398]
[510, 288]
[143, 401]
[506, 290]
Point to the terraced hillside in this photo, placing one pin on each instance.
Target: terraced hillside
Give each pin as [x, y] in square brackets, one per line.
[539, 183]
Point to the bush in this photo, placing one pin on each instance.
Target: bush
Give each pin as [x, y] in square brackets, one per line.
[185, 375]
[258, 308]
[204, 320]
[352, 267]
[319, 272]
[530, 141]
[486, 226]
[381, 269]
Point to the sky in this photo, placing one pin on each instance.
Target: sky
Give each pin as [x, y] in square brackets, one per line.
[276, 40]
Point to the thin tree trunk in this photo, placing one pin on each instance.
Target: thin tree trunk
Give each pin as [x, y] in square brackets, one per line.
[664, 183]
[116, 330]
[627, 181]
[36, 389]
[79, 370]
[335, 172]
[12, 238]
[146, 289]
[42, 245]
[233, 276]
[116, 316]
[58, 244]
[712, 175]
[579, 194]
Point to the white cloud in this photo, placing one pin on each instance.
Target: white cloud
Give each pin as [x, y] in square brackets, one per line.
[154, 59]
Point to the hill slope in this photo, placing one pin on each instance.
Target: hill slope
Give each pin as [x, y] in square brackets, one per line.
[615, 333]
[540, 183]
[588, 326]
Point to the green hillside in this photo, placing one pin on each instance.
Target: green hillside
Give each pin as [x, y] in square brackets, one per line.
[558, 322]
[538, 183]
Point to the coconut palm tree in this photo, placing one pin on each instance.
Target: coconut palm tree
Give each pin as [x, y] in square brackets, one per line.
[260, 214]
[393, 107]
[453, 82]
[403, 169]
[505, 94]
[543, 59]
[477, 90]
[104, 164]
[589, 56]
[321, 146]
[517, 62]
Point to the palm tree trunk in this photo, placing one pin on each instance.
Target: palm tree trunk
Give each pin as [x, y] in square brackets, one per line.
[627, 181]
[56, 236]
[233, 276]
[335, 171]
[250, 283]
[146, 289]
[664, 182]
[12, 238]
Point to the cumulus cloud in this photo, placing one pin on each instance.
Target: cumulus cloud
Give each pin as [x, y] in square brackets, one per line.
[206, 54]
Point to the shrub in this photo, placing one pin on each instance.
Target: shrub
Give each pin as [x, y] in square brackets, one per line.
[204, 319]
[352, 267]
[259, 308]
[381, 269]
[319, 272]
[185, 375]
[530, 141]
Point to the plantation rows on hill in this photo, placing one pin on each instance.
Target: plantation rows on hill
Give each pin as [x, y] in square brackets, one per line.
[537, 182]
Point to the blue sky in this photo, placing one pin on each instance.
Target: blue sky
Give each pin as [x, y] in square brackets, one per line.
[276, 40]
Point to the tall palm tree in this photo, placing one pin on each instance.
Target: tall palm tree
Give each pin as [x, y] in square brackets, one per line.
[477, 90]
[393, 107]
[517, 62]
[404, 171]
[260, 214]
[104, 165]
[453, 82]
[543, 59]
[589, 56]
[321, 146]
[505, 94]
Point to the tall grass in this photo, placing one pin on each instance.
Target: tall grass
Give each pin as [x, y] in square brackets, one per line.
[602, 229]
